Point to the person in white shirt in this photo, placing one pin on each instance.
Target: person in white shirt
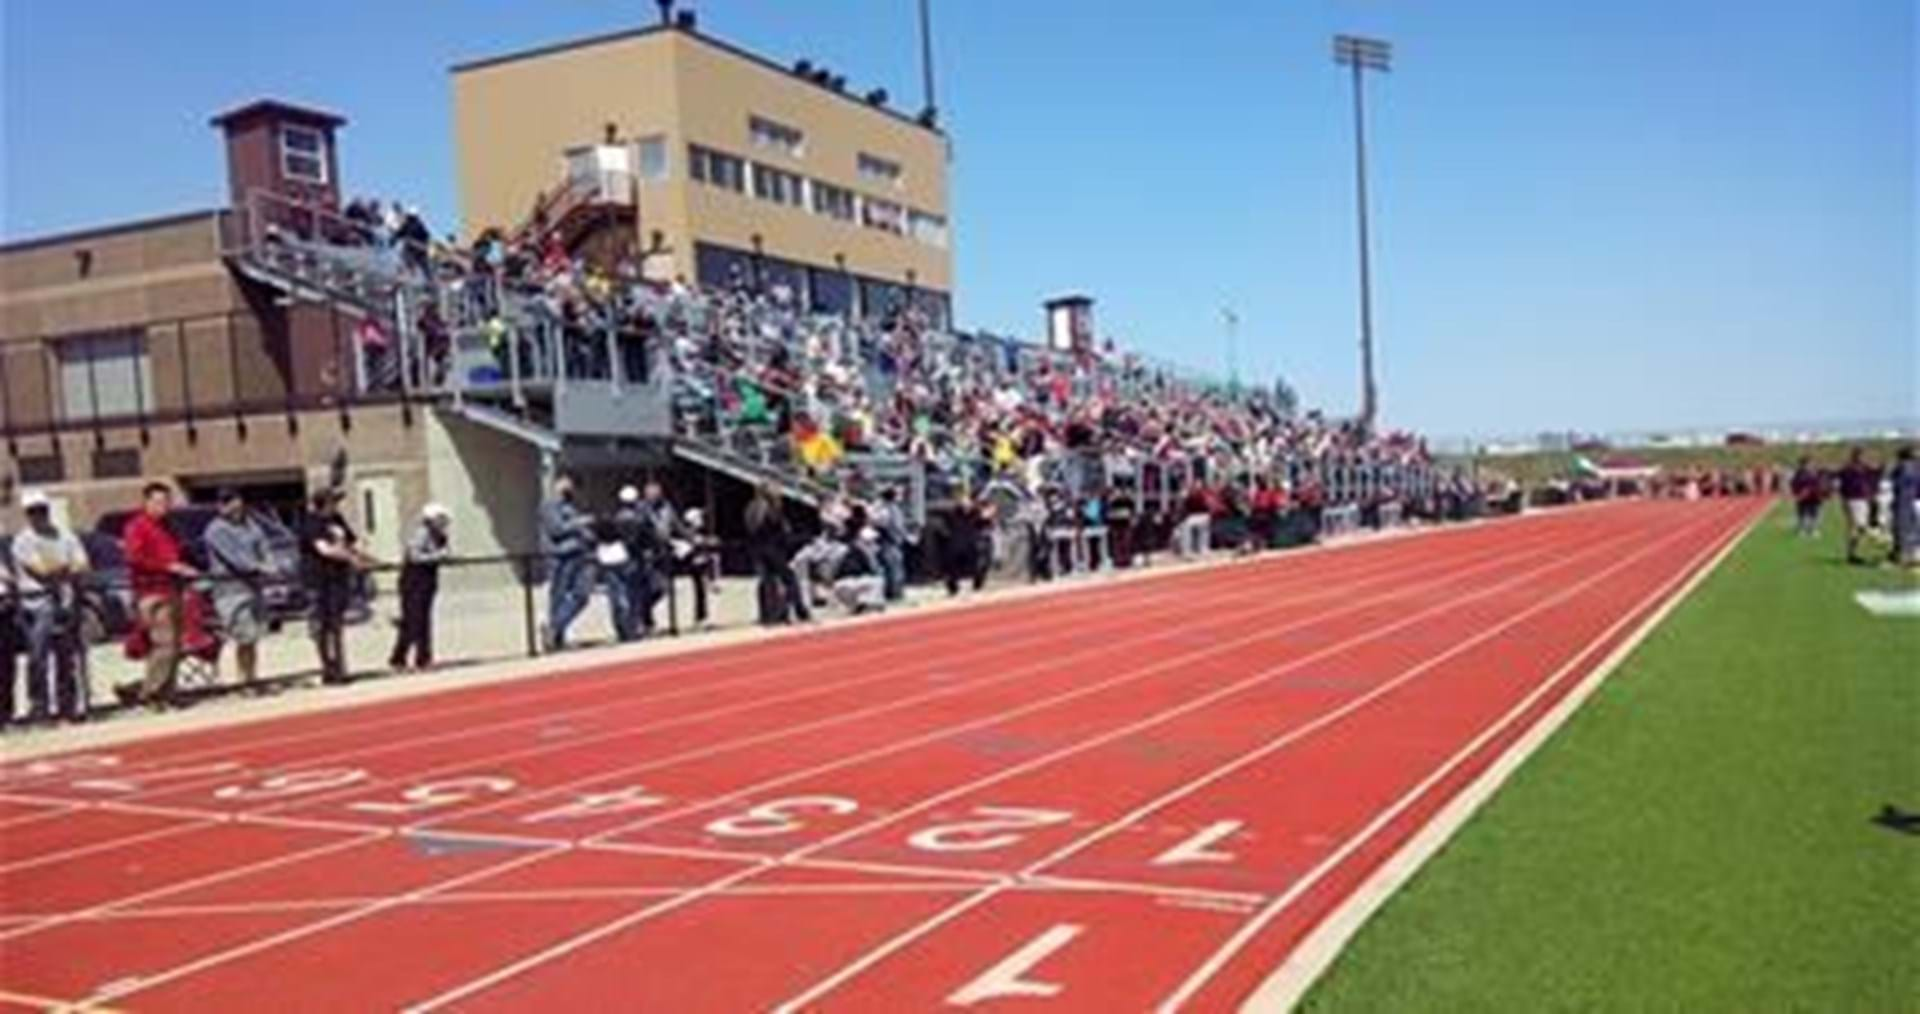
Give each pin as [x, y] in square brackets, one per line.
[48, 565]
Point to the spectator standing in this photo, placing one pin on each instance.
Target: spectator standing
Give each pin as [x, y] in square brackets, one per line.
[332, 561]
[695, 556]
[159, 576]
[9, 639]
[1808, 489]
[241, 564]
[889, 521]
[427, 548]
[1195, 531]
[659, 513]
[769, 541]
[1906, 508]
[637, 534]
[49, 561]
[1858, 483]
[963, 559]
[1120, 517]
[566, 539]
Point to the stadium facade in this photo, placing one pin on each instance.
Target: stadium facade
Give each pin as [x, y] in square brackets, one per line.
[240, 346]
[738, 166]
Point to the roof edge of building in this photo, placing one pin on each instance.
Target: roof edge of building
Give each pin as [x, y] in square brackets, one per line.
[722, 45]
[89, 232]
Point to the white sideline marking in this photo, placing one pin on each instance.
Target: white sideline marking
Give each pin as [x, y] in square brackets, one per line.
[914, 934]
[1005, 979]
[1288, 983]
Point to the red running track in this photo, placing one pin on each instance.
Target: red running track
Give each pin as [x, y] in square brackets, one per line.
[1133, 796]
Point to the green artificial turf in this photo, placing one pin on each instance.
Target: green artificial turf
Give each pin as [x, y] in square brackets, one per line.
[1698, 836]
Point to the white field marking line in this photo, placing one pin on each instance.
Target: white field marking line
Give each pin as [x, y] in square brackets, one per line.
[915, 934]
[910, 675]
[54, 808]
[228, 908]
[50, 1004]
[77, 851]
[615, 926]
[605, 675]
[1095, 885]
[598, 670]
[1046, 628]
[1252, 928]
[1308, 960]
[1125, 677]
[187, 885]
[146, 982]
[785, 732]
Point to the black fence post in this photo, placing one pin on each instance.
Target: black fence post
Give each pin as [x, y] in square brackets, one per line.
[525, 566]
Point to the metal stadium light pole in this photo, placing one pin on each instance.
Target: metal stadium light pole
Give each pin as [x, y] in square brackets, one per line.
[1363, 55]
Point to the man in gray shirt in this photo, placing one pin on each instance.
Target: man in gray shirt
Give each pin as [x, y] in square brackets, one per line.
[48, 562]
[566, 537]
[240, 563]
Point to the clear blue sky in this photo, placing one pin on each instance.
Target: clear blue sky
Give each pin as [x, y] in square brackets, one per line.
[1632, 214]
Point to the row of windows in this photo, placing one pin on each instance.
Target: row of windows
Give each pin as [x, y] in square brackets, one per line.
[821, 290]
[763, 132]
[729, 172]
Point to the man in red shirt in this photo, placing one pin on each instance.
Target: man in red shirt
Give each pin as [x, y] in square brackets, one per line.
[158, 572]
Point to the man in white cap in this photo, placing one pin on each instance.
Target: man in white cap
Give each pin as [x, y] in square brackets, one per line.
[857, 583]
[49, 562]
[427, 548]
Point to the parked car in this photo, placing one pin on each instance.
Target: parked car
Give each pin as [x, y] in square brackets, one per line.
[285, 598]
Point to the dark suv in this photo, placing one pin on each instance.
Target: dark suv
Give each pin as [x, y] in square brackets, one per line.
[285, 598]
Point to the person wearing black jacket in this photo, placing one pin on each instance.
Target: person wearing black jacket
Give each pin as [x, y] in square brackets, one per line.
[961, 555]
[770, 542]
[1120, 515]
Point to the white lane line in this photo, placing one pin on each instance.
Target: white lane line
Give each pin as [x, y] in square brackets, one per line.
[588, 937]
[147, 982]
[915, 934]
[91, 848]
[1289, 982]
[301, 855]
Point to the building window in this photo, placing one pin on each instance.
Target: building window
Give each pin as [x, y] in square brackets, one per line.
[832, 201]
[716, 168]
[875, 169]
[651, 154]
[885, 216]
[104, 376]
[765, 133]
[831, 292]
[928, 229]
[776, 185]
[303, 154]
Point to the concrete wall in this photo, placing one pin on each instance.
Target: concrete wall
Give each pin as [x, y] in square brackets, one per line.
[488, 480]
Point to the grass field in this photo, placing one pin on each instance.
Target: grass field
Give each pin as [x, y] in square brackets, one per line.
[1698, 837]
[1540, 466]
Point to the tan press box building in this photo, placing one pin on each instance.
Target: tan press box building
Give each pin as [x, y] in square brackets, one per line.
[742, 165]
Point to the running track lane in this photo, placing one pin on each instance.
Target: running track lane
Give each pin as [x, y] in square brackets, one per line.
[1009, 839]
